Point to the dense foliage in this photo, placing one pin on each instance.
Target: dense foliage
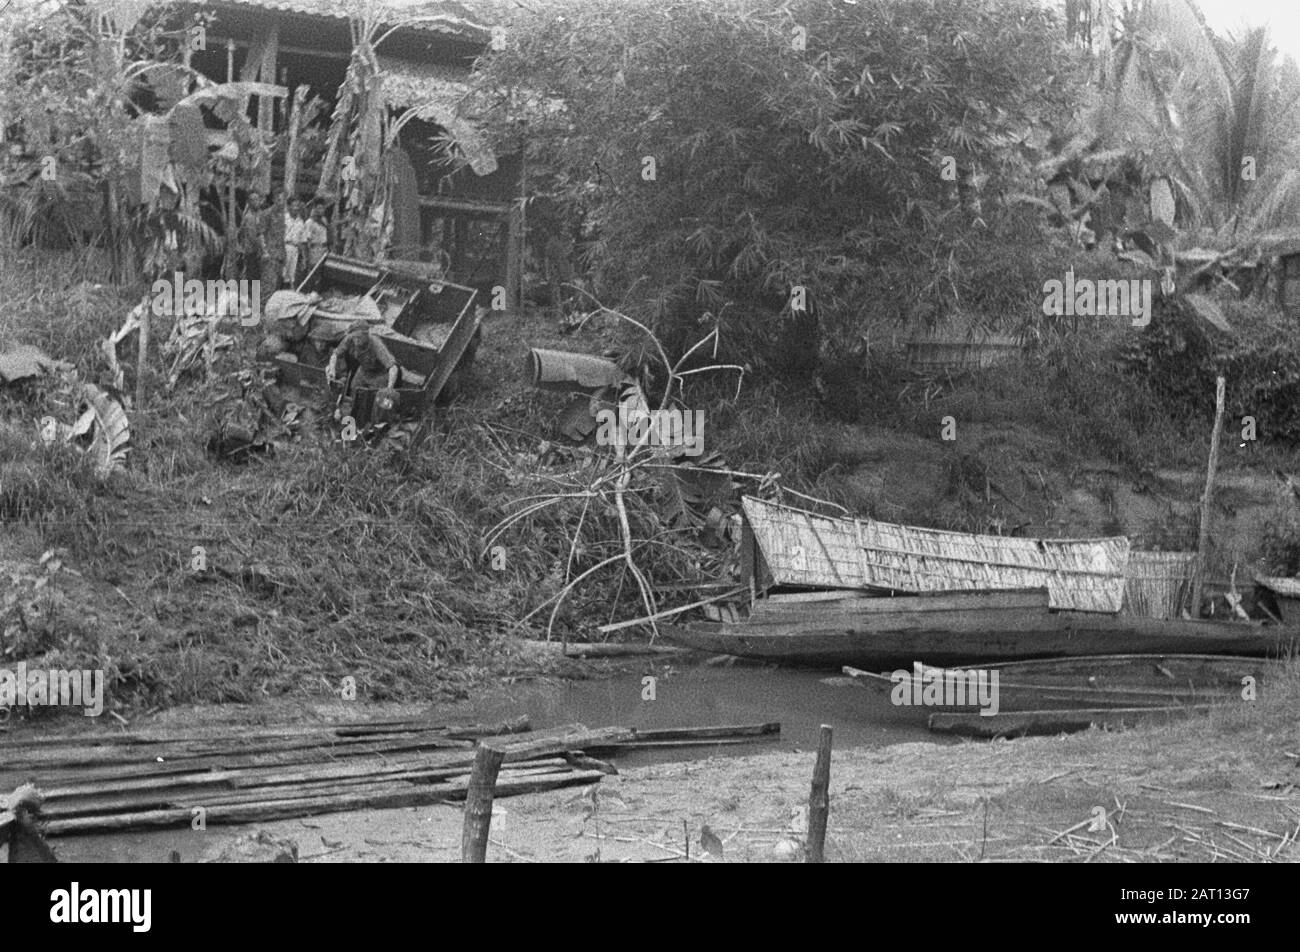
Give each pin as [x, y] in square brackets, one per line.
[852, 149]
[1181, 356]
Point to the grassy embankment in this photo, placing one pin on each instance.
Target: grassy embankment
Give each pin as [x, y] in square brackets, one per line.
[326, 561]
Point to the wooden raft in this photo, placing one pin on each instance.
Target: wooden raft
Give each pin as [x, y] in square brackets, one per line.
[93, 781]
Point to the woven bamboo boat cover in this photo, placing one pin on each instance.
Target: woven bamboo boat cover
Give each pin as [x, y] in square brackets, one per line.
[799, 548]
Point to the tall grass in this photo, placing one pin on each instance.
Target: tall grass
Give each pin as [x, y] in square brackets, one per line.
[215, 582]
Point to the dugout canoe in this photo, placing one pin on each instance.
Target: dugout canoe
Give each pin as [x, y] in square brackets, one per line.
[1033, 723]
[963, 629]
[1109, 681]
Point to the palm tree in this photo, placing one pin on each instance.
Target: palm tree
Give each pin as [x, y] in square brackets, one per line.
[1245, 150]
[1217, 117]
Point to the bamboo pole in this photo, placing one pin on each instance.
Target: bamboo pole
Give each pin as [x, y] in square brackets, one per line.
[819, 801]
[141, 360]
[668, 613]
[1203, 538]
[478, 803]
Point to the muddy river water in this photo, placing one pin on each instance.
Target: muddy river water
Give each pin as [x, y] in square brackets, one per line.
[801, 699]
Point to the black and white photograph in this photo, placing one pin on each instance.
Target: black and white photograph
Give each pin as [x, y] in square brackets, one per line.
[687, 432]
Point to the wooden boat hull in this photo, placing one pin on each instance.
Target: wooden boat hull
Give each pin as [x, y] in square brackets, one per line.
[1030, 723]
[1115, 681]
[980, 629]
[1143, 671]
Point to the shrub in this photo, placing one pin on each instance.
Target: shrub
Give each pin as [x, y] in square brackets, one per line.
[1260, 359]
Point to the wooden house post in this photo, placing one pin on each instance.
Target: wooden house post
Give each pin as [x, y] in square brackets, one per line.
[267, 74]
[514, 255]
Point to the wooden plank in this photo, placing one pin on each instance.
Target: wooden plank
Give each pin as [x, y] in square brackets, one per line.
[956, 621]
[458, 341]
[233, 738]
[188, 797]
[258, 776]
[652, 738]
[114, 772]
[559, 739]
[947, 601]
[799, 598]
[336, 54]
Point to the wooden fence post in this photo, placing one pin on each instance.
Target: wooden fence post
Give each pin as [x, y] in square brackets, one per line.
[478, 803]
[1203, 537]
[819, 802]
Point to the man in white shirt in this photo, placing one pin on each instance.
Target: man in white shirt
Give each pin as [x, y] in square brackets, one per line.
[316, 236]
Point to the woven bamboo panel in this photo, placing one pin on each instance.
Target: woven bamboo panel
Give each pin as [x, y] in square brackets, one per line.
[1159, 584]
[960, 353]
[805, 549]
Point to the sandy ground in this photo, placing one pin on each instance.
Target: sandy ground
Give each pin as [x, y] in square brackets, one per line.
[1220, 788]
